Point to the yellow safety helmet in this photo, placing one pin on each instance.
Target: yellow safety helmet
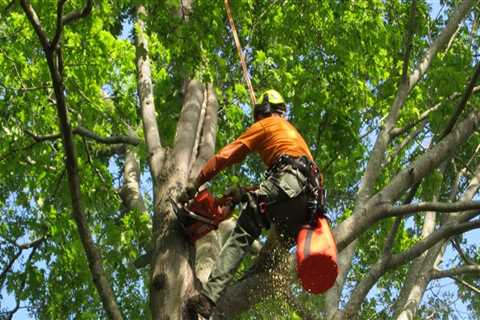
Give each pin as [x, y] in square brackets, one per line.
[270, 101]
[274, 97]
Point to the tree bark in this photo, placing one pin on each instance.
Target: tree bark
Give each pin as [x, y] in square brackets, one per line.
[188, 126]
[130, 192]
[207, 138]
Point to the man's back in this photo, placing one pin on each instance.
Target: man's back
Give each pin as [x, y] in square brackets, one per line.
[272, 137]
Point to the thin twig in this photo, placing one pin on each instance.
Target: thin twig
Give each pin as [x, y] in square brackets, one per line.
[431, 206]
[398, 131]
[411, 137]
[84, 132]
[59, 29]
[106, 140]
[37, 138]
[443, 232]
[408, 40]
[8, 267]
[12, 312]
[89, 159]
[462, 103]
[467, 285]
[462, 254]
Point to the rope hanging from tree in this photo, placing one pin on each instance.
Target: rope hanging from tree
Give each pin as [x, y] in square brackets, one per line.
[240, 52]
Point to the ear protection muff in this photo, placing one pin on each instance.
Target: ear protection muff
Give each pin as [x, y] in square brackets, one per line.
[262, 109]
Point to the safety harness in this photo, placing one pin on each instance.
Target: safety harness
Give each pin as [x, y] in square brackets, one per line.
[314, 187]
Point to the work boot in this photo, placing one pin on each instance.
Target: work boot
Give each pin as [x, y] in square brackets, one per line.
[198, 304]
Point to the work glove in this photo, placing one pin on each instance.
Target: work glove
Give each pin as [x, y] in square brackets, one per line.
[188, 193]
[236, 193]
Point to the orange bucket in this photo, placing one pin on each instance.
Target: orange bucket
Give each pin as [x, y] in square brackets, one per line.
[316, 257]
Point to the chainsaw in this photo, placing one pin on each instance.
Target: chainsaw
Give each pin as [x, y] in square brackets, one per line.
[204, 213]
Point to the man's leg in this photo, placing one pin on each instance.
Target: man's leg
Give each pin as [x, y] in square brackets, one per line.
[231, 255]
[248, 228]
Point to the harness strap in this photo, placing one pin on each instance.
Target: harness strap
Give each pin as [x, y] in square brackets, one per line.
[315, 190]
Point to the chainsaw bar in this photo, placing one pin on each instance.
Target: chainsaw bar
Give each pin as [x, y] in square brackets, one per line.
[183, 213]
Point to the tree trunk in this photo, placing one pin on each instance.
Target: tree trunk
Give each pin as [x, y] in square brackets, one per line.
[172, 275]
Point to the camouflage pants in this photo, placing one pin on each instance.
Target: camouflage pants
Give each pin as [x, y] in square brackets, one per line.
[282, 195]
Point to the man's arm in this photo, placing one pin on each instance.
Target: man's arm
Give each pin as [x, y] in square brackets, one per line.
[232, 153]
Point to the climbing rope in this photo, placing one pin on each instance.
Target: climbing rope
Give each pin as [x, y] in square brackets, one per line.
[246, 77]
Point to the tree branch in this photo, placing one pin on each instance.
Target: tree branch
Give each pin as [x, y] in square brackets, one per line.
[436, 274]
[33, 244]
[187, 125]
[84, 132]
[59, 29]
[468, 285]
[37, 25]
[408, 40]
[206, 147]
[126, 139]
[442, 40]
[37, 138]
[432, 206]
[55, 66]
[462, 103]
[377, 157]
[378, 269]
[373, 211]
[443, 232]
[198, 134]
[77, 14]
[8, 267]
[147, 104]
[462, 254]
[388, 262]
[422, 267]
[10, 313]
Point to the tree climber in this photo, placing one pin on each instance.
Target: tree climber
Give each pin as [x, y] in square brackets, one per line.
[292, 179]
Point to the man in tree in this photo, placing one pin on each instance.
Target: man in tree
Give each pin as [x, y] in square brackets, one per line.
[292, 179]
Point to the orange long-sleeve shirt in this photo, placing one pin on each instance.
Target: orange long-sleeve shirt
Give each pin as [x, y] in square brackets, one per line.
[271, 137]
